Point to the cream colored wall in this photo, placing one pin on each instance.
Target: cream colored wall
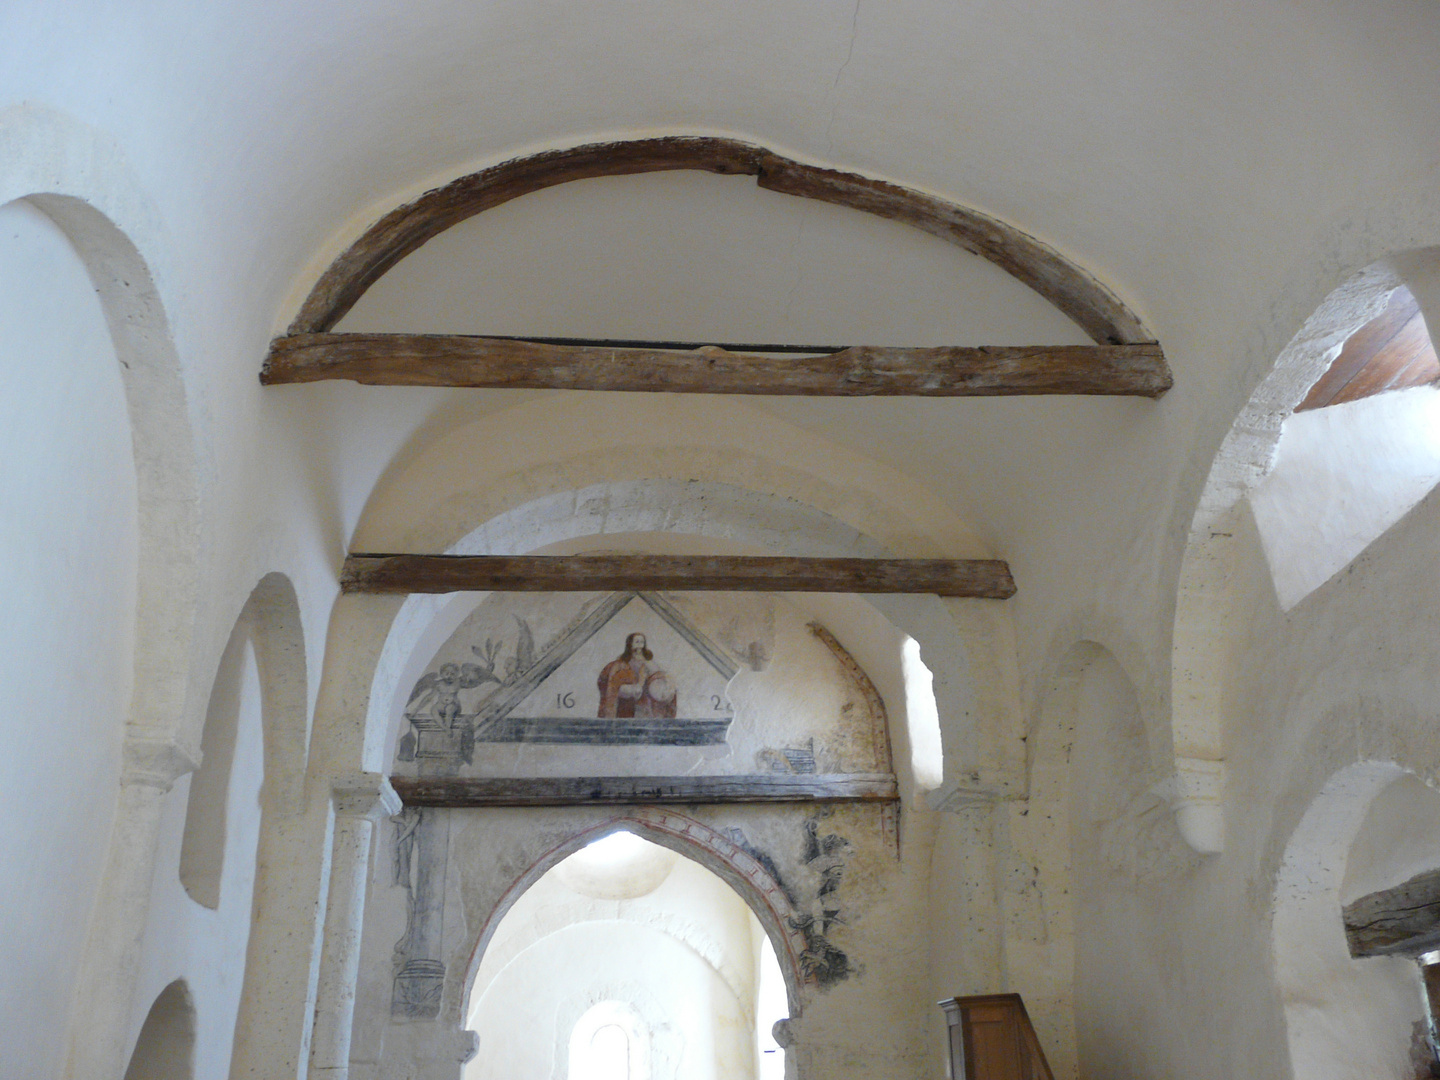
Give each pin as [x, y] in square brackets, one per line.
[183, 938]
[68, 530]
[238, 154]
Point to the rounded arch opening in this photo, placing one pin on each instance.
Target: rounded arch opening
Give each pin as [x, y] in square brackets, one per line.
[268, 633]
[79, 178]
[1304, 497]
[706, 516]
[1371, 825]
[609, 1042]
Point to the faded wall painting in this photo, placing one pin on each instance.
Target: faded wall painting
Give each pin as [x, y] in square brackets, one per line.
[627, 684]
[638, 682]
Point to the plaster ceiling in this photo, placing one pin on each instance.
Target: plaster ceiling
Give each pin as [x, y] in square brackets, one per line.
[1221, 166]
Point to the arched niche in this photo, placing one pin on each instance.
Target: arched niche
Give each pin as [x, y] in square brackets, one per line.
[165, 1048]
[1099, 834]
[1228, 517]
[69, 521]
[80, 179]
[404, 229]
[270, 621]
[269, 624]
[629, 512]
[1346, 1016]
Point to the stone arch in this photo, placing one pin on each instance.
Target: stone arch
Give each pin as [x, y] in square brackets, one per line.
[692, 839]
[269, 623]
[1323, 990]
[271, 620]
[722, 513]
[1204, 602]
[1134, 838]
[79, 178]
[1070, 288]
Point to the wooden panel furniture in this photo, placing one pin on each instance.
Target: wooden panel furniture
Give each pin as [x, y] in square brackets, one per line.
[991, 1038]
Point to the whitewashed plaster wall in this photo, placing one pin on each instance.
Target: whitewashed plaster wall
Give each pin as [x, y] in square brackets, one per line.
[1343, 475]
[69, 532]
[1227, 199]
[184, 938]
[1345, 680]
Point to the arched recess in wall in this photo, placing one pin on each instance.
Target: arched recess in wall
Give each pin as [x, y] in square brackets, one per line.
[80, 179]
[1345, 1016]
[719, 854]
[269, 624]
[165, 1049]
[165, 470]
[1244, 471]
[1074, 291]
[719, 513]
[1093, 831]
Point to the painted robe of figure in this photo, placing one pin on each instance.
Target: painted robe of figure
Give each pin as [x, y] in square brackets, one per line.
[630, 687]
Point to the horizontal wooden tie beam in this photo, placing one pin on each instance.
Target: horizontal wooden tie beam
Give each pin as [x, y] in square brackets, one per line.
[986, 579]
[470, 792]
[1403, 920]
[857, 371]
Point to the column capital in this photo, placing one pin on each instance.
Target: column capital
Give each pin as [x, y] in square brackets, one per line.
[365, 795]
[152, 757]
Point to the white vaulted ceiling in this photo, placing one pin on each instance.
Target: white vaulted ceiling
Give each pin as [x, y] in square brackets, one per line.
[1219, 166]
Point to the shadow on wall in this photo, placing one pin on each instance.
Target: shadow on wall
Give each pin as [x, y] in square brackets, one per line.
[270, 624]
[1372, 826]
[1322, 485]
[165, 1049]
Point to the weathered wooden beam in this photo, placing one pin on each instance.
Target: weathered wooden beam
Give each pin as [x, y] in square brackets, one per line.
[1404, 920]
[504, 363]
[987, 579]
[463, 792]
[1098, 311]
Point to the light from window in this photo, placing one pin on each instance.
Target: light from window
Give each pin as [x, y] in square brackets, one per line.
[610, 1042]
[926, 756]
[609, 1056]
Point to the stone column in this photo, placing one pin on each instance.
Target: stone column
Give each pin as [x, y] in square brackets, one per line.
[277, 999]
[99, 1029]
[360, 801]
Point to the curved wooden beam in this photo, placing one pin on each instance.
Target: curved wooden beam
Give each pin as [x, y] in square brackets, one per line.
[1085, 300]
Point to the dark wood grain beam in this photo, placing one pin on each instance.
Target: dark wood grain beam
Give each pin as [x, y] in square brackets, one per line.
[1404, 920]
[472, 792]
[505, 363]
[1093, 307]
[987, 579]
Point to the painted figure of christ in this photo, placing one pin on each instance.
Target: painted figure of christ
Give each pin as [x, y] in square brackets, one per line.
[631, 686]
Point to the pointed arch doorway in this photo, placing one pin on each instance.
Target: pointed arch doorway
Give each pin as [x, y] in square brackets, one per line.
[617, 957]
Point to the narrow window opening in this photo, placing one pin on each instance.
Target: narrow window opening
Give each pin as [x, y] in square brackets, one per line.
[922, 717]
